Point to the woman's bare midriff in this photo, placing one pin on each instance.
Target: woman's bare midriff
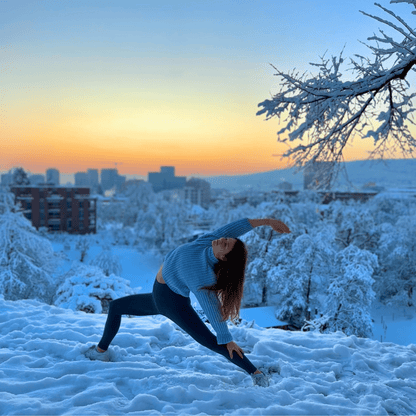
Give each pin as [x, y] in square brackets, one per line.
[159, 276]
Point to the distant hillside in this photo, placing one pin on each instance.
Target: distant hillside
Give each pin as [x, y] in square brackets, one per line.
[388, 173]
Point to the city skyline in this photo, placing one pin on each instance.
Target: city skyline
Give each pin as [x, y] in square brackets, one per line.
[72, 175]
[168, 83]
[376, 170]
[92, 176]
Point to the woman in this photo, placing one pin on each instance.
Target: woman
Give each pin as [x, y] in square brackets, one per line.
[187, 268]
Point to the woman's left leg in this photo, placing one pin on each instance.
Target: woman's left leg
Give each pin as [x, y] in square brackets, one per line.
[138, 305]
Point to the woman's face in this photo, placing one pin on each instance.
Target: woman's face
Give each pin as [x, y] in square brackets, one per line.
[222, 246]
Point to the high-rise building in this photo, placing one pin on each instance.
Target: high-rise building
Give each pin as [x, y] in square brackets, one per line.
[197, 191]
[120, 180]
[6, 179]
[93, 178]
[37, 179]
[166, 179]
[52, 177]
[108, 178]
[81, 179]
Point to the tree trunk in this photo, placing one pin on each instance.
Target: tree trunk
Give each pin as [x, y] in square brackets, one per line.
[336, 315]
[308, 312]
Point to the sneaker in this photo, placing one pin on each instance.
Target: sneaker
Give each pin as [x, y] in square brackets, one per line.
[260, 380]
[93, 354]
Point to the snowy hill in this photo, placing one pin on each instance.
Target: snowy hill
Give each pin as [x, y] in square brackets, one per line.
[158, 369]
[392, 173]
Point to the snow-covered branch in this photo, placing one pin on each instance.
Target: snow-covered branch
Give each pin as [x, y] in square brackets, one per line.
[327, 111]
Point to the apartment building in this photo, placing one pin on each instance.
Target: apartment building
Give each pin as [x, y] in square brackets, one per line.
[71, 210]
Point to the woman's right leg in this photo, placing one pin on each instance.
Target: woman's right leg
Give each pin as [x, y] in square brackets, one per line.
[138, 305]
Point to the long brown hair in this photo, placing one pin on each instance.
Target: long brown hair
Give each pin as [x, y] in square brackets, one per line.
[230, 281]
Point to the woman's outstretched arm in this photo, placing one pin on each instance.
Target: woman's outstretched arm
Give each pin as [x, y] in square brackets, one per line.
[259, 223]
[277, 225]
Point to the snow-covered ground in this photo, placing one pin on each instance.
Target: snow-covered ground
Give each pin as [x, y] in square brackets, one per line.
[158, 369]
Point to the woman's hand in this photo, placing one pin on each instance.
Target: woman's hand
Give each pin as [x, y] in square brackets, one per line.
[232, 346]
[279, 226]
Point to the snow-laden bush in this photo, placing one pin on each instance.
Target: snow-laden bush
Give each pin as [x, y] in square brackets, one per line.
[88, 289]
[108, 262]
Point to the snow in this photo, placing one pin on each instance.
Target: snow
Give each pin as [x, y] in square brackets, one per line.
[157, 369]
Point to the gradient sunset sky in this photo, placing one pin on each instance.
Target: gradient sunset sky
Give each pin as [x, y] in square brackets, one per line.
[87, 83]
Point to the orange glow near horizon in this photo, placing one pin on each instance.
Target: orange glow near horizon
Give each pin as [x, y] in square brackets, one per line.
[234, 149]
[200, 141]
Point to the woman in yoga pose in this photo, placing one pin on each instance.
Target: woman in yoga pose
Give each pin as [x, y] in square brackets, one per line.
[213, 268]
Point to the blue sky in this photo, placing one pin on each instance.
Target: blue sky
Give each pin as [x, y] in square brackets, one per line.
[169, 82]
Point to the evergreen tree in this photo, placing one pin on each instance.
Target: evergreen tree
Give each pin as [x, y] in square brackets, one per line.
[27, 260]
[20, 177]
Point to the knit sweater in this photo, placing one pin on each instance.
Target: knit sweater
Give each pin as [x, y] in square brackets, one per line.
[191, 266]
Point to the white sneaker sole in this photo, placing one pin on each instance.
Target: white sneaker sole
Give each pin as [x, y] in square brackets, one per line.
[93, 354]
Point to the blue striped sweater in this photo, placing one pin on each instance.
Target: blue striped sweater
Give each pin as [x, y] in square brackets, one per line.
[191, 266]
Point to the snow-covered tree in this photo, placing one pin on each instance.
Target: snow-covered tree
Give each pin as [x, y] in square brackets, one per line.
[7, 202]
[397, 251]
[261, 245]
[355, 224]
[83, 244]
[327, 111]
[349, 295]
[20, 177]
[255, 289]
[163, 225]
[225, 211]
[306, 272]
[27, 260]
[108, 262]
[88, 289]
[123, 235]
[386, 209]
[134, 198]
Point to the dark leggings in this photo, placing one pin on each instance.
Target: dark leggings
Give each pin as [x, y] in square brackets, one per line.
[177, 308]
